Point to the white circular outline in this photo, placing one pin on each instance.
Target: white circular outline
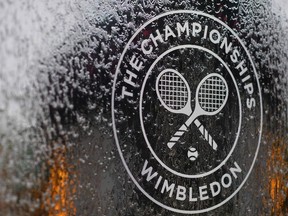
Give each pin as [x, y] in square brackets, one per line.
[113, 114]
[141, 116]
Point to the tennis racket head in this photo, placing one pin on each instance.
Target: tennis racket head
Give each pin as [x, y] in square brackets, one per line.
[212, 94]
[173, 92]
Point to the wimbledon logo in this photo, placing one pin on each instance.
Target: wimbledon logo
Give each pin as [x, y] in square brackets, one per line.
[187, 111]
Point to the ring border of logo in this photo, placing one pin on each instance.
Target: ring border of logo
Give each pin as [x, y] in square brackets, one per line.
[141, 116]
[113, 114]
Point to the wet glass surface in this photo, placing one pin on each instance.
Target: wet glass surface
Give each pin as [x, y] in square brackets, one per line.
[58, 61]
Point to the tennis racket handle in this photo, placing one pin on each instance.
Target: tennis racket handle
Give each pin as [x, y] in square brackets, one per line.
[206, 135]
[174, 139]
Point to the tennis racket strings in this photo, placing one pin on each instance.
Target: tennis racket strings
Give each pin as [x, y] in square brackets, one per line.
[173, 91]
[212, 94]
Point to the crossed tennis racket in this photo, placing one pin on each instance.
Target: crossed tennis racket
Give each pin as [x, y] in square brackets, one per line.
[174, 94]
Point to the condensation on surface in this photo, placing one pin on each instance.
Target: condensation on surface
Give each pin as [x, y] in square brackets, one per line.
[57, 64]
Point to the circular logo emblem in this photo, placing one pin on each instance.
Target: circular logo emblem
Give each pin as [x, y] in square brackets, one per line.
[187, 111]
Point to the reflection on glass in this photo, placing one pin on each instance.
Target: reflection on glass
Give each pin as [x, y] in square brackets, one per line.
[61, 188]
[278, 177]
